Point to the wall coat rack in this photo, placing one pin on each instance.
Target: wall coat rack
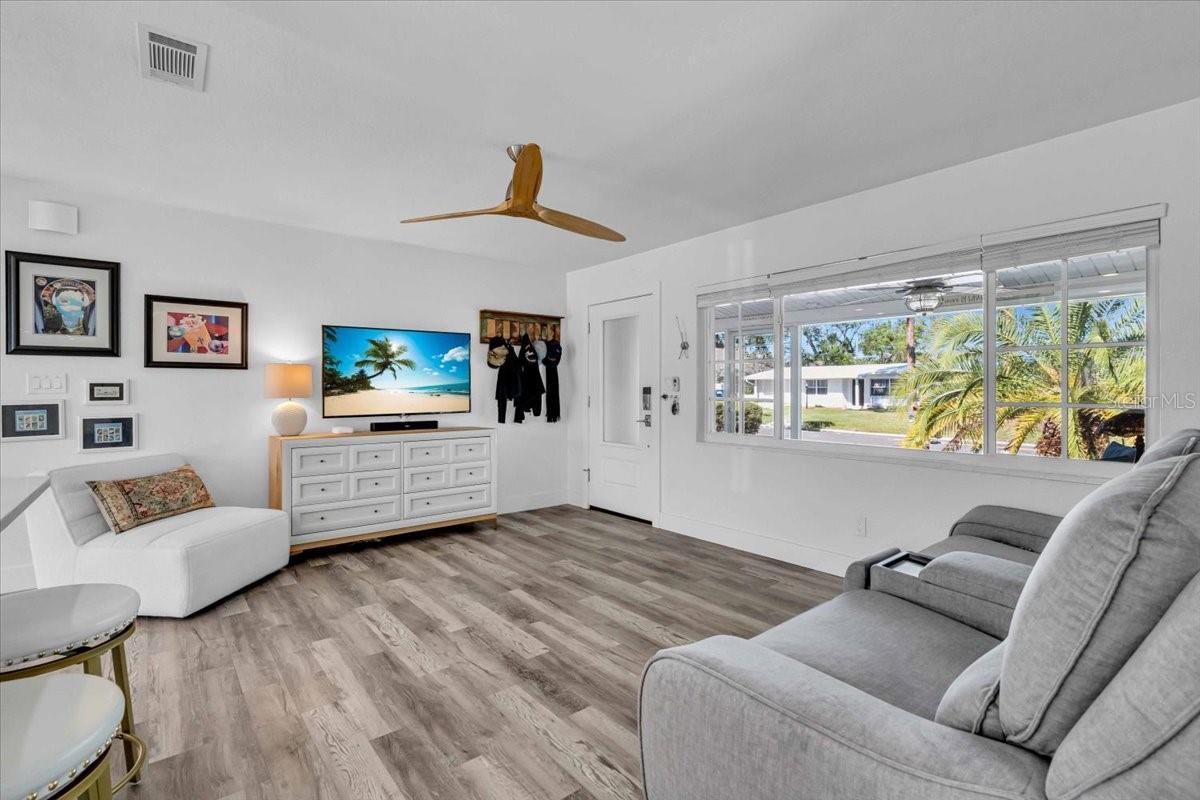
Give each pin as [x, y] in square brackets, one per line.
[512, 325]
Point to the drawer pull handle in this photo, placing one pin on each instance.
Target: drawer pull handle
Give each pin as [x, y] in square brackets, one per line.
[376, 483]
[377, 455]
[426, 502]
[377, 511]
[322, 488]
[322, 518]
[428, 477]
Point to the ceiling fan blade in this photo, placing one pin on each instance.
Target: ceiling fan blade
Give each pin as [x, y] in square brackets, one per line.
[527, 177]
[574, 224]
[500, 209]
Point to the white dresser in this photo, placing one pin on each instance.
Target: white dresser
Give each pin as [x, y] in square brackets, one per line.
[345, 487]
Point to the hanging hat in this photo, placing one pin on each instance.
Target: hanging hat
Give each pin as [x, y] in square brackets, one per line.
[497, 352]
[539, 347]
[553, 353]
[527, 351]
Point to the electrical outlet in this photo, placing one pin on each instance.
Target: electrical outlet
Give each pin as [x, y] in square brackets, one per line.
[46, 383]
[860, 529]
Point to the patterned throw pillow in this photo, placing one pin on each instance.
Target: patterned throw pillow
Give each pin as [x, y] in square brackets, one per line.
[130, 502]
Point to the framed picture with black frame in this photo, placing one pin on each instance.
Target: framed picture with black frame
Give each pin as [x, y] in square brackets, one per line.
[200, 334]
[61, 306]
[108, 432]
[23, 422]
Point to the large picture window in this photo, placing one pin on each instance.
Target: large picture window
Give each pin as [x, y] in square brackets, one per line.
[1001, 351]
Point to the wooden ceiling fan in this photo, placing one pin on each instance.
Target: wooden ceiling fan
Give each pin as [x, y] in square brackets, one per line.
[521, 199]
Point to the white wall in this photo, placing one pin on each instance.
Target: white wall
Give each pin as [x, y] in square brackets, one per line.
[294, 280]
[804, 507]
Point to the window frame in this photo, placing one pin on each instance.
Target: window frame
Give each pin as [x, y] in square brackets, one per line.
[989, 460]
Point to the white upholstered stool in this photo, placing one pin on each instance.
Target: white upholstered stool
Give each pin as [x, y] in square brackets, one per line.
[55, 736]
[44, 630]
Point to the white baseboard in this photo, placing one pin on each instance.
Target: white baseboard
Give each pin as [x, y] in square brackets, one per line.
[759, 544]
[510, 504]
[14, 577]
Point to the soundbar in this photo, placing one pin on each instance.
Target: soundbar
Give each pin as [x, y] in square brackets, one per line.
[405, 425]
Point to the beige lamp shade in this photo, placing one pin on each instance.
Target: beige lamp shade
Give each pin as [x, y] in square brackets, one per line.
[288, 380]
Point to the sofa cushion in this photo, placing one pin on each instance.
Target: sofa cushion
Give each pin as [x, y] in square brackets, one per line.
[1153, 704]
[181, 564]
[974, 544]
[1113, 567]
[970, 702]
[69, 487]
[126, 503]
[894, 650]
[1180, 443]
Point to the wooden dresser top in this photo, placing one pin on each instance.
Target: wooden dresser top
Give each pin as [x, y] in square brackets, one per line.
[425, 431]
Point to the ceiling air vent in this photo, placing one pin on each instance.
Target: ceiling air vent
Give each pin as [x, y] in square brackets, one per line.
[171, 59]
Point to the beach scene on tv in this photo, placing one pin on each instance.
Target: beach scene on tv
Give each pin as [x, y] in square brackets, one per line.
[381, 371]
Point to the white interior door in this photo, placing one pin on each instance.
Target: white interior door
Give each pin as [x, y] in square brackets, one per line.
[623, 409]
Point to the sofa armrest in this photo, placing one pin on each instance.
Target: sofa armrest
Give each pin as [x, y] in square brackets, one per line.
[975, 589]
[1029, 530]
[995, 580]
[858, 574]
[729, 718]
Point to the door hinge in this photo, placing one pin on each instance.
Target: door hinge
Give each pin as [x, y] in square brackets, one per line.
[589, 401]
[588, 470]
[589, 327]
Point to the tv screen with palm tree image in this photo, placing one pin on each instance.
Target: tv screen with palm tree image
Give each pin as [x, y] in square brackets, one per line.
[371, 372]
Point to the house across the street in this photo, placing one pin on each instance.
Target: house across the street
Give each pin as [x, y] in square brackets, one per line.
[840, 386]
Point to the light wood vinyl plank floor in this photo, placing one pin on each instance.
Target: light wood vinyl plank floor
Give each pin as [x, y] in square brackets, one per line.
[481, 663]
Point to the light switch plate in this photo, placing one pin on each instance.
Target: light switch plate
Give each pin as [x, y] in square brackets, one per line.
[46, 382]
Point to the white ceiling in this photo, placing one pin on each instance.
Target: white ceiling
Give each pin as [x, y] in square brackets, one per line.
[664, 121]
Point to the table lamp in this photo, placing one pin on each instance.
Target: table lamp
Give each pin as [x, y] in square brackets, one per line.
[290, 381]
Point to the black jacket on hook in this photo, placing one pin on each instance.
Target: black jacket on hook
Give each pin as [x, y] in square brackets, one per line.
[508, 377]
[553, 357]
[531, 382]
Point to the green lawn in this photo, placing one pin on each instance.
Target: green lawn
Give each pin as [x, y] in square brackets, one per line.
[848, 419]
[845, 419]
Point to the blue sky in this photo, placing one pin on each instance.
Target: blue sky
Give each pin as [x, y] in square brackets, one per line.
[440, 357]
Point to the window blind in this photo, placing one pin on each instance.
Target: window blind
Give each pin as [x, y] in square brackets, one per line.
[1137, 227]
[757, 290]
[936, 264]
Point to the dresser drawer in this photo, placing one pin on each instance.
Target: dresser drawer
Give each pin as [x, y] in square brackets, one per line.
[435, 451]
[420, 479]
[320, 489]
[428, 504]
[470, 449]
[314, 519]
[470, 474]
[374, 456]
[374, 484]
[319, 461]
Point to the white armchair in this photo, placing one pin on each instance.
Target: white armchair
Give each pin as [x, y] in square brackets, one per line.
[178, 565]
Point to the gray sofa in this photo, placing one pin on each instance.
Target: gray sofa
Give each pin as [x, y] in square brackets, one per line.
[1017, 665]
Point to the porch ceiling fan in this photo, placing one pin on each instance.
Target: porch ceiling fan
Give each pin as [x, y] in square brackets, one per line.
[521, 199]
[924, 296]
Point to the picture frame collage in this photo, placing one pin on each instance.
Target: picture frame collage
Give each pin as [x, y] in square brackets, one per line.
[69, 306]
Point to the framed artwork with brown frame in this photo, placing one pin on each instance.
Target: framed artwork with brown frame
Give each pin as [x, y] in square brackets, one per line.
[61, 306]
[195, 333]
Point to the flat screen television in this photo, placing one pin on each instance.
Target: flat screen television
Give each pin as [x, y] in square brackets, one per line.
[374, 372]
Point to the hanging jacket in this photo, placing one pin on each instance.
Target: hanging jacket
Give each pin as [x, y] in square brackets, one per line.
[503, 359]
[552, 359]
[531, 389]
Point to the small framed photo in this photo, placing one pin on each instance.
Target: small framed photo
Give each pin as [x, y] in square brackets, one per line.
[98, 434]
[186, 332]
[107, 393]
[30, 421]
[60, 306]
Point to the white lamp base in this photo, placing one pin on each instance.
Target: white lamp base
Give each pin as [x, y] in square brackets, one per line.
[289, 418]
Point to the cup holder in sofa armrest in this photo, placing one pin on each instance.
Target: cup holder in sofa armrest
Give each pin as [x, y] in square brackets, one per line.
[973, 588]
